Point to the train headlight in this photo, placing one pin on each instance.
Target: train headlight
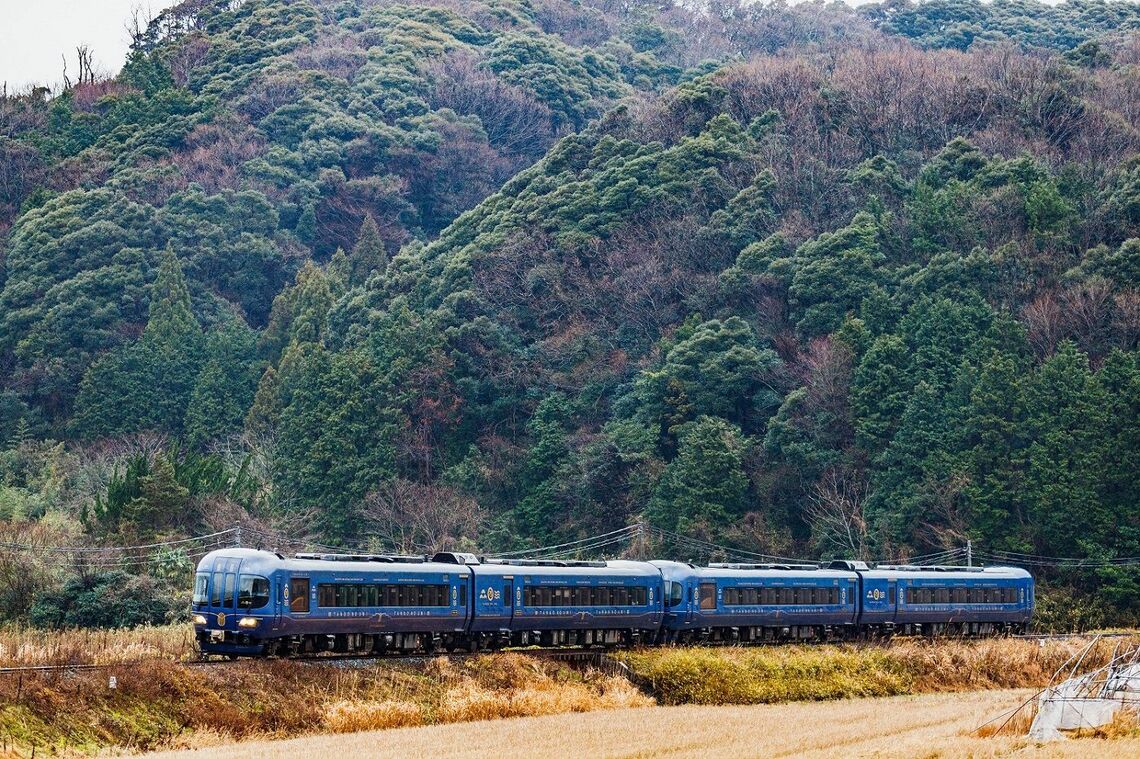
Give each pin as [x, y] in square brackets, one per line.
[198, 619]
[248, 622]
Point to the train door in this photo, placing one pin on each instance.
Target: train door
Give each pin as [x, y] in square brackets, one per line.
[279, 596]
[298, 595]
[892, 598]
[509, 600]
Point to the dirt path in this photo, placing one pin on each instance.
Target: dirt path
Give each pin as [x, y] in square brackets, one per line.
[909, 726]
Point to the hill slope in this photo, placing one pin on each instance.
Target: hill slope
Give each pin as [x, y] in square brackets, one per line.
[810, 280]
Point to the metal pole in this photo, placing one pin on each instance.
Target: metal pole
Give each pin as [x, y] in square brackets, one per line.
[969, 553]
[237, 535]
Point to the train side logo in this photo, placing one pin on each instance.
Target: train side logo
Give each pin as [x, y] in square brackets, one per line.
[876, 594]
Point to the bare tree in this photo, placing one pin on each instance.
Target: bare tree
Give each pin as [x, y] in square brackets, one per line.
[412, 517]
[1126, 321]
[835, 512]
[1043, 322]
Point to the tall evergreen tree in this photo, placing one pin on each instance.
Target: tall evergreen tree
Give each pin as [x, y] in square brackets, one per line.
[544, 477]
[704, 488]
[369, 254]
[1065, 427]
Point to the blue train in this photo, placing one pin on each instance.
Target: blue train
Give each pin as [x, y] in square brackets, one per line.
[257, 603]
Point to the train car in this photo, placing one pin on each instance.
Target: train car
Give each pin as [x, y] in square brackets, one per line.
[558, 603]
[249, 603]
[750, 602]
[256, 603]
[946, 600]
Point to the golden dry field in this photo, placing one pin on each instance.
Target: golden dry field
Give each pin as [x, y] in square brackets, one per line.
[161, 703]
[929, 726]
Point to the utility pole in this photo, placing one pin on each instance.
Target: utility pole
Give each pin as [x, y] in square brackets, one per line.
[969, 553]
[237, 535]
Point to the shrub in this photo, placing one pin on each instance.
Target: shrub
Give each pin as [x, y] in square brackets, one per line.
[114, 599]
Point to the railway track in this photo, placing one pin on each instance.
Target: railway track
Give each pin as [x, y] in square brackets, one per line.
[596, 656]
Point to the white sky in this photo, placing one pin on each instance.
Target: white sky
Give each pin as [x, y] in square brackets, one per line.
[35, 33]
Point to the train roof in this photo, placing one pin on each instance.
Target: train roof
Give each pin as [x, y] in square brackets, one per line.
[756, 571]
[947, 573]
[256, 561]
[619, 568]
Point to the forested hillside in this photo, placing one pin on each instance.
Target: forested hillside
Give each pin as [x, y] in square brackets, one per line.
[804, 280]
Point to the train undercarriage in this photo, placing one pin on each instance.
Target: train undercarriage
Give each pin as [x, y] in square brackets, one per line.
[410, 643]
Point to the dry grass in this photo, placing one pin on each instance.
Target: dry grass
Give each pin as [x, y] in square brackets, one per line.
[161, 703]
[933, 726]
[772, 674]
[20, 646]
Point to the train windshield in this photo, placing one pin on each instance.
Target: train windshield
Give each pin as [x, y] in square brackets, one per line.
[253, 592]
[201, 588]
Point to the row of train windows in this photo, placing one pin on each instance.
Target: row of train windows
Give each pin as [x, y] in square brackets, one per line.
[394, 594]
[780, 596]
[561, 595]
[961, 595]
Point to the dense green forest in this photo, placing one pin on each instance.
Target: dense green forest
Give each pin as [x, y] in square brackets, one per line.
[801, 280]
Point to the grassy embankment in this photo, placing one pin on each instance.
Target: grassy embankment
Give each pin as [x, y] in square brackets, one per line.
[161, 702]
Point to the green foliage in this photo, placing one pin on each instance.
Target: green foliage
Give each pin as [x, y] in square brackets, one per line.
[114, 599]
[718, 369]
[961, 24]
[588, 279]
[705, 486]
[146, 385]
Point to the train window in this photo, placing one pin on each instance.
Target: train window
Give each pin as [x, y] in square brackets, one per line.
[372, 595]
[216, 589]
[958, 594]
[1010, 595]
[676, 594]
[463, 596]
[509, 593]
[942, 595]
[228, 598]
[253, 592]
[299, 595]
[201, 588]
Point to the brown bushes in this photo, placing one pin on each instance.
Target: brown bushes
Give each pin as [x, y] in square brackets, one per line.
[165, 703]
[801, 673]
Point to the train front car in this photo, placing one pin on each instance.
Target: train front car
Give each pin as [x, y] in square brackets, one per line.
[235, 605]
[753, 602]
[947, 600]
[255, 603]
[565, 603]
